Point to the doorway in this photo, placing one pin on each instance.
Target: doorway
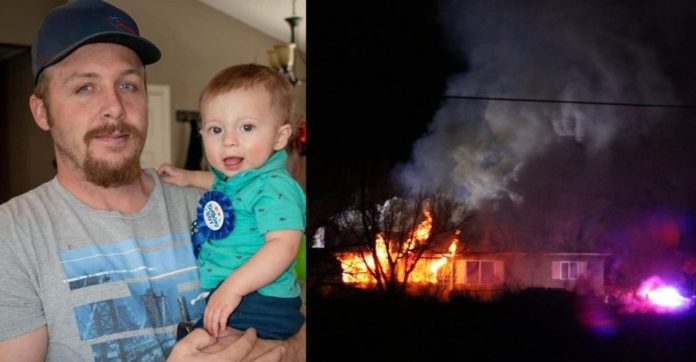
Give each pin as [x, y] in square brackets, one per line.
[26, 151]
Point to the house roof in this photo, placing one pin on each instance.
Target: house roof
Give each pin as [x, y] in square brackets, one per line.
[441, 243]
[522, 253]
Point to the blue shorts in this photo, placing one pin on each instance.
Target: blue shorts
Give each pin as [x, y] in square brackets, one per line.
[273, 317]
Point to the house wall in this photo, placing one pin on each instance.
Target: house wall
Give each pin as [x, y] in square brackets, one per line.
[518, 275]
[591, 280]
[196, 42]
[522, 271]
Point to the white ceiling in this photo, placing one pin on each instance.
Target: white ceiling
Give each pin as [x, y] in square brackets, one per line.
[268, 16]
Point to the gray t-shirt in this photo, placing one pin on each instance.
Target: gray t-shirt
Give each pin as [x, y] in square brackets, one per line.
[105, 283]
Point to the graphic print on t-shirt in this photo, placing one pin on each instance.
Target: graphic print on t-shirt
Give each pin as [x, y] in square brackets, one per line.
[152, 274]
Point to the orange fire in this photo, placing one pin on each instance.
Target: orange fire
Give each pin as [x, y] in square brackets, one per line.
[359, 267]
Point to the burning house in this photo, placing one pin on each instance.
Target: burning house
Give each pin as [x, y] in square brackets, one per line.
[417, 262]
[446, 264]
[487, 274]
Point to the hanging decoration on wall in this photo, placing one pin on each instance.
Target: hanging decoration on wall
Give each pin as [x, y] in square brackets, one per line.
[300, 142]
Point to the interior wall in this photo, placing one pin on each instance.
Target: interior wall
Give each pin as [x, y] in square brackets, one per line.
[19, 20]
[196, 42]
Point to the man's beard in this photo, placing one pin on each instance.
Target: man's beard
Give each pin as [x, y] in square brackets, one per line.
[109, 174]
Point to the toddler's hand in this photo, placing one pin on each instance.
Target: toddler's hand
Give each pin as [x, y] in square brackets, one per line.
[174, 175]
[220, 305]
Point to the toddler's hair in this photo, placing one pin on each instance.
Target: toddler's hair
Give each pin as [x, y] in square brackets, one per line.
[250, 75]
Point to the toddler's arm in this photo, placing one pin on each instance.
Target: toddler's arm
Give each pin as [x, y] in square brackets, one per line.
[182, 177]
[269, 262]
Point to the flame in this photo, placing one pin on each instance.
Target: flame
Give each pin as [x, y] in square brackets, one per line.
[422, 232]
[358, 267]
[435, 266]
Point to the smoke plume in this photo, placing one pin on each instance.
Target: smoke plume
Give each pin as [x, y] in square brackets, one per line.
[566, 175]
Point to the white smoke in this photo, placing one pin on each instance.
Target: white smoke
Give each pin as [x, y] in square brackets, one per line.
[586, 51]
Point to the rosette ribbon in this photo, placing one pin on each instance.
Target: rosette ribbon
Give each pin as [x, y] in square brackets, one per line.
[215, 219]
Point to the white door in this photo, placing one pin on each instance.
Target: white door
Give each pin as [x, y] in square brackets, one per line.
[158, 144]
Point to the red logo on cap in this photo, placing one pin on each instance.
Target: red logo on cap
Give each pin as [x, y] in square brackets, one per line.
[121, 24]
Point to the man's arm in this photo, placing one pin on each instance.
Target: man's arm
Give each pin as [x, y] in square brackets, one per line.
[28, 347]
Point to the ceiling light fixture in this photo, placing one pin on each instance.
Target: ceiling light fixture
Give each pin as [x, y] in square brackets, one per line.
[282, 56]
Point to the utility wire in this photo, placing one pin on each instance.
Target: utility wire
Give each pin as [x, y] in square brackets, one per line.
[643, 105]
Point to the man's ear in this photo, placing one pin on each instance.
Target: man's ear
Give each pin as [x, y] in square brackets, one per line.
[38, 110]
[282, 137]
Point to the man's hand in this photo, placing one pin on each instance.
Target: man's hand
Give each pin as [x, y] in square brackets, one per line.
[296, 346]
[190, 349]
[174, 175]
[218, 309]
[182, 177]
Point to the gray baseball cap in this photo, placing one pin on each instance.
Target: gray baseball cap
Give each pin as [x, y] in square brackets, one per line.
[81, 22]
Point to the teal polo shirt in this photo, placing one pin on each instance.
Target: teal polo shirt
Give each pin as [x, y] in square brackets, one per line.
[263, 199]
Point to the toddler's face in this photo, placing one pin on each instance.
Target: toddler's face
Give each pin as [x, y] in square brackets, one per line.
[241, 130]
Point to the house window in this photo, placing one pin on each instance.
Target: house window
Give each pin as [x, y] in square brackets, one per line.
[480, 272]
[568, 270]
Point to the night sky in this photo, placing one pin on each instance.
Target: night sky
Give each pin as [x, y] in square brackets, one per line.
[378, 72]
[376, 75]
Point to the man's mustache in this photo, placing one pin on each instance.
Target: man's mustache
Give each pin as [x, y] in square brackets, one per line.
[110, 128]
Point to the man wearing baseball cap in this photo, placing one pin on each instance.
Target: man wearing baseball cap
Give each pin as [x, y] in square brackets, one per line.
[93, 264]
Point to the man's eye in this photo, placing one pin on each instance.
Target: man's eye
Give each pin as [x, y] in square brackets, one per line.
[127, 86]
[247, 127]
[84, 88]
